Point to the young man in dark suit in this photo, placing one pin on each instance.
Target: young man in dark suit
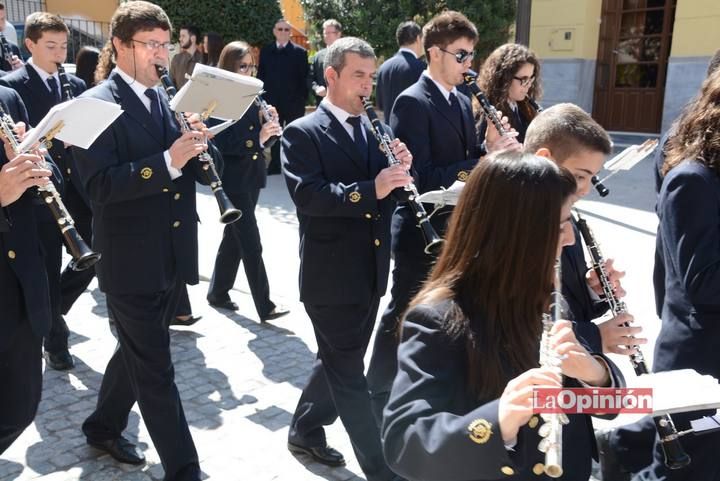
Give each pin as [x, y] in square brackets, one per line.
[284, 70]
[141, 183]
[40, 88]
[332, 30]
[403, 69]
[340, 183]
[25, 301]
[436, 122]
[9, 56]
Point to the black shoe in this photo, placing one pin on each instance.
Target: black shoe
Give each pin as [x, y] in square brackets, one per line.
[278, 311]
[227, 304]
[189, 321]
[120, 449]
[610, 467]
[60, 361]
[322, 454]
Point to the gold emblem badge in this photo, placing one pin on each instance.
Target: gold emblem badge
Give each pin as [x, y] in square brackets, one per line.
[249, 144]
[462, 175]
[480, 431]
[146, 173]
[355, 197]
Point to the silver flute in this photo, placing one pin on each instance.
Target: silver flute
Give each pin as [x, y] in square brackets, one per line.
[551, 430]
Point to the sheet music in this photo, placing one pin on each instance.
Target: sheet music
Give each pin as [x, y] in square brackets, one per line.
[216, 129]
[83, 120]
[682, 390]
[443, 197]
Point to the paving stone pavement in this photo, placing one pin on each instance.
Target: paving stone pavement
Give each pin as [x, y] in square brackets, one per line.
[239, 380]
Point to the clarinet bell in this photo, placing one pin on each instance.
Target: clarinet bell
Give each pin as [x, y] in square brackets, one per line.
[82, 256]
[228, 212]
[433, 242]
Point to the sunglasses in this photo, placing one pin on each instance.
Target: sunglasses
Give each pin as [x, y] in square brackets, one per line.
[525, 81]
[461, 56]
[282, 29]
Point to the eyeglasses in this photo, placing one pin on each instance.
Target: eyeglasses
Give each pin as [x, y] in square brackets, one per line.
[282, 29]
[244, 67]
[525, 81]
[154, 44]
[461, 55]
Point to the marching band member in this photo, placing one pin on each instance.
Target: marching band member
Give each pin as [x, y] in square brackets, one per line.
[243, 177]
[510, 78]
[142, 191]
[461, 404]
[340, 183]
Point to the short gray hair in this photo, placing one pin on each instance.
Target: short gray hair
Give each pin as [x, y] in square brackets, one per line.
[336, 52]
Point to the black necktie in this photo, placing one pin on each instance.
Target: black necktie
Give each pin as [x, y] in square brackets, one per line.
[52, 83]
[455, 106]
[155, 111]
[360, 141]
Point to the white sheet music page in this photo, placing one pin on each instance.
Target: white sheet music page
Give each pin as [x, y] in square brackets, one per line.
[80, 121]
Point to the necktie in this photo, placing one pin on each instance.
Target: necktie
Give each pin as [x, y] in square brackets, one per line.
[455, 106]
[155, 111]
[360, 141]
[53, 85]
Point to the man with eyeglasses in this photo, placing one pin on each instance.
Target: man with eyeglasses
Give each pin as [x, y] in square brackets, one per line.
[184, 61]
[284, 70]
[39, 86]
[332, 30]
[435, 120]
[141, 185]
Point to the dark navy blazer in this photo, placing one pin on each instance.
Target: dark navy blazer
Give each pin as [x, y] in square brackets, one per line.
[143, 221]
[395, 75]
[344, 228]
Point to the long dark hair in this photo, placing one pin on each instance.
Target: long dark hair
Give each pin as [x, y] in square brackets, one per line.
[498, 72]
[215, 45]
[698, 129]
[232, 55]
[496, 266]
[86, 63]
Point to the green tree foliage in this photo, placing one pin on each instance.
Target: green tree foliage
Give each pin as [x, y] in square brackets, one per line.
[376, 20]
[249, 20]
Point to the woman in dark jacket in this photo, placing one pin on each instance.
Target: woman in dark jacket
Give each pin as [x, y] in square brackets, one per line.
[461, 406]
[244, 175]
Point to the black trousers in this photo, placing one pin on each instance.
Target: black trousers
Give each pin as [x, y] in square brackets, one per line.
[73, 283]
[286, 115]
[337, 385]
[183, 308]
[241, 242]
[141, 370]
[633, 444]
[408, 274]
[21, 379]
[51, 240]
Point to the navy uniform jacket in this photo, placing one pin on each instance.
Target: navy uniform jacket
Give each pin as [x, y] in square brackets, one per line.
[688, 292]
[434, 429]
[284, 73]
[344, 228]
[444, 150]
[39, 100]
[4, 64]
[23, 278]
[144, 223]
[395, 75]
[582, 305]
[244, 167]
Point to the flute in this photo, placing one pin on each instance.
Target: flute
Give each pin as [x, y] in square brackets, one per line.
[675, 455]
[82, 256]
[268, 116]
[432, 239]
[228, 212]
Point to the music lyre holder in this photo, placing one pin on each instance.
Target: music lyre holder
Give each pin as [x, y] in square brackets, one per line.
[625, 160]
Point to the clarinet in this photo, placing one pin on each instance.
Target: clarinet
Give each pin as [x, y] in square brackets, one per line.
[675, 455]
[534, 104]
[82, 256]
[551, 430]
[491, 112]
[268, 116]
[228, 212]
[432, 239]
[64, 83]
[6, 51]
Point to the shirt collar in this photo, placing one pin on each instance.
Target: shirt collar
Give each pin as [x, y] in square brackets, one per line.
[279, 45]
[337, 112]
[408, 50]
[42, 73]
[445, 92]
[135, 86]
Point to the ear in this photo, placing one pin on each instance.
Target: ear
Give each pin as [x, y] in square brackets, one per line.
[544, 152]
[331, 75]
[29, 45]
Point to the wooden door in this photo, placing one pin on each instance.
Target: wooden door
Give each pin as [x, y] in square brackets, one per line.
[635, 39]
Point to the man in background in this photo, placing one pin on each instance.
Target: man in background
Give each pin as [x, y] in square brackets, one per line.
[332, 30]
[403, 69]
[184, 62]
